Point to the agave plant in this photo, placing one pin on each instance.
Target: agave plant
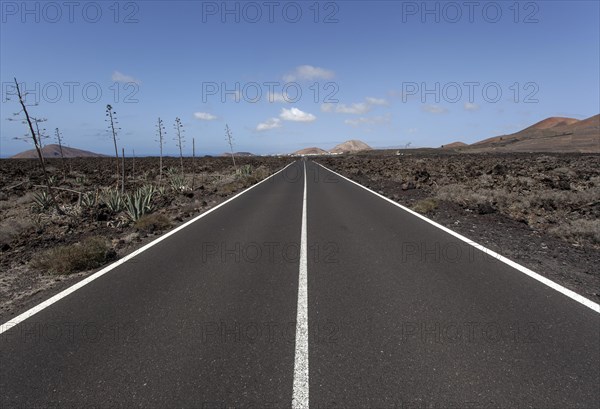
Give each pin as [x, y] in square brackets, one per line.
[148, 190]
[170, 171]
[81, 180]
[113, 199]
[146, 175]
[89, 199]
[245, 170]
[161, 190]
[53, 180]
[178, 183]
[41, 200]
[139, 203]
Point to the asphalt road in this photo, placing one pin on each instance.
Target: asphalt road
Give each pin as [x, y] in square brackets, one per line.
[388, 311]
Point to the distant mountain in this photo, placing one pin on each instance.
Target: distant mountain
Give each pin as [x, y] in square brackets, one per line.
[311, 151]
[53, 151]
[353, 145]
[454, 145]
[554, 134]
[552, 122]
[238, 154]
[591, 124]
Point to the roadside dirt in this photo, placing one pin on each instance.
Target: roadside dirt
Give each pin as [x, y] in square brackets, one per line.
[27, 231]
[540, 210]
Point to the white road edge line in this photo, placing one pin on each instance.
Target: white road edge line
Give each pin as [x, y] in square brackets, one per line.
[569, 293]
[300, 394]
[34, 310]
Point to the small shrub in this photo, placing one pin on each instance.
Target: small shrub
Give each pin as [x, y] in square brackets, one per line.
[26, 198]
[91, 253]
[229, 188]
[220, 179]
[465, 197]
[578, 230]
[425, 206]
[486, 181]
[190, 208]
[261, 172]
[12, 228]
[153, 222]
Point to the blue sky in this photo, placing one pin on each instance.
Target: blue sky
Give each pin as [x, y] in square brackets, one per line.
[401, 72]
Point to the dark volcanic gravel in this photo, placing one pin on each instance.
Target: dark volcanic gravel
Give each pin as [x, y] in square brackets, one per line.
[525, 236]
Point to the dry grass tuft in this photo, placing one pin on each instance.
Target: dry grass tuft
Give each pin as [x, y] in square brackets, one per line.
[12, 228]
[578, 230]
[91, 253]
[425, 206]
[153, 222]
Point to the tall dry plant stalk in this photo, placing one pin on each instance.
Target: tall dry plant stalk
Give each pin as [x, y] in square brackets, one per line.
[229, 139]
[179, 140]
[112, 119]
[36, 142]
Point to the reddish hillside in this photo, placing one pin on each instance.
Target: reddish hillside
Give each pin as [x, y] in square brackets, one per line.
[245, 154]
[454, 145]
[592, 122]
[353, 145]
[550, 135]
[53, 151]
[311, 151]
[552, 122]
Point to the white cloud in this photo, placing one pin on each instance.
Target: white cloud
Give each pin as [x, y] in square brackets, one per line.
[328, 107]
[375, 120]
[376, 101]
[356, 109]
[271, 123]
[359, 108]
[405, 96]
[279, 97]
[471, 107]
[204, 116]
[123, 78]
[309, 73]
[434, 109]
[296, 115]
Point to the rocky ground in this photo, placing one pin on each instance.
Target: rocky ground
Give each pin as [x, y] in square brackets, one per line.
[36, 241]
[540, 210]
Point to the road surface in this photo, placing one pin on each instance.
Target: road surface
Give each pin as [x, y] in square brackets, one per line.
[307, 290]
